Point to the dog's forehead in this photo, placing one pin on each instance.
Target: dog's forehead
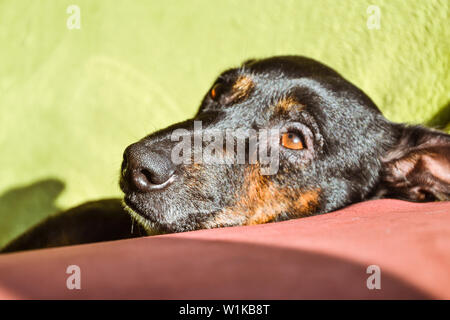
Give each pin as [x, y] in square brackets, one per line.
[257, 96]
[277, 79]
[281, 88]
[291, 67]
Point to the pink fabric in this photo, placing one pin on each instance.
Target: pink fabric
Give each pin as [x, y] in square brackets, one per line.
[317, 257]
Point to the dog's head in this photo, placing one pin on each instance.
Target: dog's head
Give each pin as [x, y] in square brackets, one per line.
[275, 139]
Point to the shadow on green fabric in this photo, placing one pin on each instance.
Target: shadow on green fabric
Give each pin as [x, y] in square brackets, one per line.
[441, 120]
[24, 206]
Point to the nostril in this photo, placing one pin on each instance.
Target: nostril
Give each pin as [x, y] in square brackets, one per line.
[148, 175]
[156, 178]
[145, 180]
[140, 181]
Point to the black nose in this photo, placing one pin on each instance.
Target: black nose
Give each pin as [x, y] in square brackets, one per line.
[145, 170]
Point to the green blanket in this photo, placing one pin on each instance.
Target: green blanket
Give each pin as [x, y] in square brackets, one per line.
[71, 100]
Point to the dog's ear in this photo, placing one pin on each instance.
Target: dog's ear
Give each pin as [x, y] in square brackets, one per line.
[417, 168]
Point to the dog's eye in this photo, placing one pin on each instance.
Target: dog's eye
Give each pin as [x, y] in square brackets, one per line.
[292, 140]
[216, 90]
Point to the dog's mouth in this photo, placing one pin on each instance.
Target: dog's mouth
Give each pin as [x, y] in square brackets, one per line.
[150, 226]
[129, 206]
[161, 219]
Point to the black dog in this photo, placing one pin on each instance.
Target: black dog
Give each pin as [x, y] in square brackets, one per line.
[335, 148]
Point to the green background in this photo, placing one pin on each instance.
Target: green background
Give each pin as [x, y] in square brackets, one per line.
[72, 100]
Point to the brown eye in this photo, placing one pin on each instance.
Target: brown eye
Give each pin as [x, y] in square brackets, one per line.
[292, 140]
[215, 91]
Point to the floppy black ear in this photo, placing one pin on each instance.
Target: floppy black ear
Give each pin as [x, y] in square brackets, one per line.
[417, 168]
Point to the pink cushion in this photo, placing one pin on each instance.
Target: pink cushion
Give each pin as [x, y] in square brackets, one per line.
[317, 257]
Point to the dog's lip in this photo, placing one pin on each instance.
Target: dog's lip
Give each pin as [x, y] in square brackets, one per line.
[150, 225]
[131, 206]
[146, 216]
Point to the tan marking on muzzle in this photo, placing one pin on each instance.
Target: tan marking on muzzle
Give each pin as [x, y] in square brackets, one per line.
[261, 201]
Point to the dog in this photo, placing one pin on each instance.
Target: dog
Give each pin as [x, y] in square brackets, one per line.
[334, 148]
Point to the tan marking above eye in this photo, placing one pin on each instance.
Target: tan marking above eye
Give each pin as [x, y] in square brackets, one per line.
[292, 140]
[232, 93]
[243, 84]
[241, 89]
[287, 104]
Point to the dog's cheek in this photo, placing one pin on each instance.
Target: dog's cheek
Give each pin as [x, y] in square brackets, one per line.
[262, 200]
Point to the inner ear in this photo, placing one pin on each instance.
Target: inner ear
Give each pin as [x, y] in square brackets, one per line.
[417, 168]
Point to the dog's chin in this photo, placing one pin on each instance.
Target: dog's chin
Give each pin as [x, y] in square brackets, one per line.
[157, 217]
[151, 227]
[154, 224]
